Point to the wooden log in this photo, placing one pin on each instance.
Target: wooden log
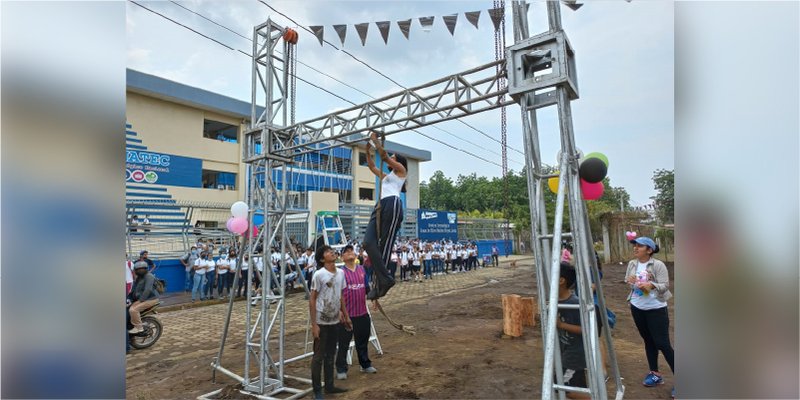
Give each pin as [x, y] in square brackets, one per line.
[528, 309]
[512, 323]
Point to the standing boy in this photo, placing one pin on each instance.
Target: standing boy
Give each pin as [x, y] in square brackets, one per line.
[573, 361]
[355, 295]
[327, 309]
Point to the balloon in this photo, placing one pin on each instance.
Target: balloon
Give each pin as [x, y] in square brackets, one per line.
[239, 225]
[600, 156]
[228, 224]
[552, 183]
[630, 235]
[593, 170]
[254, 231]
[239, 209]
[592, 191]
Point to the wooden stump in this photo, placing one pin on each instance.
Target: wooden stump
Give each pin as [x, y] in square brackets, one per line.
[512, 321]
[528, 309]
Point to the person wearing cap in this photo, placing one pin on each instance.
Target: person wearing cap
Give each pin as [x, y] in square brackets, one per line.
[143, 256]
[144, 294]
[649, 282]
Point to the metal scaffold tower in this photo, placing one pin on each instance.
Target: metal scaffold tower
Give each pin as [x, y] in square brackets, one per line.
[540, 71]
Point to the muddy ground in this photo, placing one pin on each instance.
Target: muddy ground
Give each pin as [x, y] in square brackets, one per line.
[457, 353]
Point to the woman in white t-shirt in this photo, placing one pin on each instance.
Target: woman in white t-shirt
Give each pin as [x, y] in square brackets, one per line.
[649, 280]
[199, 277]
[416, 261]
[243, 274]
[404, 264]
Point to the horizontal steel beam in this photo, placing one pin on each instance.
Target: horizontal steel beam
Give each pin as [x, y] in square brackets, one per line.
[458, 95]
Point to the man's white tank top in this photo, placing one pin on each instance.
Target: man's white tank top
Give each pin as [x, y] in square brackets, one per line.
[391, 185]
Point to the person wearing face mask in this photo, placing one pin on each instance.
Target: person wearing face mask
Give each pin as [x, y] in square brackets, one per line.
[144, 294]
[199, 276]
[188, 263]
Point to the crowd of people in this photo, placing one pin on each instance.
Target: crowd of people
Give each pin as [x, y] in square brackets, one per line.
[210, 272]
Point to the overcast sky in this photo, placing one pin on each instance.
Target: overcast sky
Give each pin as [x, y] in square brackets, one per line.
[624, 55]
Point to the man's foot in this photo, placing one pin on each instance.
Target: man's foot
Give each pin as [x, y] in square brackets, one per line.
[369, 370]
[334, 390]
[673, 392]
[384, 287]
[136, 329]
[318, 395]
[341, 375]
[652, 379]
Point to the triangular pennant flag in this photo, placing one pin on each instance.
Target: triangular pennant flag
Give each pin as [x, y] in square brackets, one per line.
[496, 14]
[318, 31]
[473, 17]
[426, 22]
[450, 22]
[404, 26]
[362, 32]
[341, 30]
[384, 26]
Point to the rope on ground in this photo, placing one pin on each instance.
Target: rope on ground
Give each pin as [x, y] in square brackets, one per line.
[405, 328]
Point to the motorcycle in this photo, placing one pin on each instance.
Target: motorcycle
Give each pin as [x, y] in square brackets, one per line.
[152, 329]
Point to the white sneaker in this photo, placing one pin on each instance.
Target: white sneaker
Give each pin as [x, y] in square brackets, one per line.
[136, 330]
[341, 376]
[369, 370]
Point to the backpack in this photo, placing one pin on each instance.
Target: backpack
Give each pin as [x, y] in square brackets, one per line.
[159, 285]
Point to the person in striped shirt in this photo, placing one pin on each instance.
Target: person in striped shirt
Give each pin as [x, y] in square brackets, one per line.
[354, 295]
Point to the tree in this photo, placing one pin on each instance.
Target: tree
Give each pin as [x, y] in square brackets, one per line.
[664, 181]
[438, 193]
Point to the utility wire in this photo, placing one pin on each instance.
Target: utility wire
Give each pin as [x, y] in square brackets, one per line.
[379, 72]
[323, 73]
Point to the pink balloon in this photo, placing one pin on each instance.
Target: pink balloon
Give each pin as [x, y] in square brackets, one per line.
[239, 225]
[254, 231]
[228, 224]
[592, 191]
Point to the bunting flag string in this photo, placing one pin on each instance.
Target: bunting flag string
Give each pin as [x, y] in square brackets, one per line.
[426, 23]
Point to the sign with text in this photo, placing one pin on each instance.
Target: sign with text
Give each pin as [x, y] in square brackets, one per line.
[162, 169]
[437, 225]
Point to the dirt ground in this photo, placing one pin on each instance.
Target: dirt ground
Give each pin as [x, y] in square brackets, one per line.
[457, 353]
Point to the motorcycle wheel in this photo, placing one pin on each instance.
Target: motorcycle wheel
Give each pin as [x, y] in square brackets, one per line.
[151, 334]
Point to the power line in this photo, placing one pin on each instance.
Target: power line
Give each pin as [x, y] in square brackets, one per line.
[309, 83]
[379, 72]
[342, 82]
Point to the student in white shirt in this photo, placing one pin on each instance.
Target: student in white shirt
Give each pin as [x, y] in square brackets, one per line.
[222, 275]
[243, 275]
[211, 276]
[199, 277]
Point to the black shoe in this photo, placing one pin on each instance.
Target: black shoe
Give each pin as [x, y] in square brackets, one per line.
[373, 293]
[318, 395]
[383, 288]
[335, 390]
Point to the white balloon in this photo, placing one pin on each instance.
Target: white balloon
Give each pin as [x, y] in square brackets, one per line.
[239, 209]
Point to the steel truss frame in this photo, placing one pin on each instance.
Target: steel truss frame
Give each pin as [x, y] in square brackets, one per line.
[539, 77]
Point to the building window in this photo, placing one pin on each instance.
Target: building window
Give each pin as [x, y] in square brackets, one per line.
[366, 194]
[362, 159]
[220, 131]
[219, 180]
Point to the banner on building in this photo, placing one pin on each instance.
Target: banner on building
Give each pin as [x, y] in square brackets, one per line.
[147, 167]
[437, 225]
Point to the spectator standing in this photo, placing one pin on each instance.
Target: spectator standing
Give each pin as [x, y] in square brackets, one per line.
[354, 295]
[327, 310]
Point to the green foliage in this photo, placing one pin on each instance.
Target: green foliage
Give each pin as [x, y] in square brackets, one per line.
[480, 197]
[664, 181]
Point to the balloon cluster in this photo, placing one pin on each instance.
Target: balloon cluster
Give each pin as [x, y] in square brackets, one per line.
[593, 169]
[238, 222]
[630, 235]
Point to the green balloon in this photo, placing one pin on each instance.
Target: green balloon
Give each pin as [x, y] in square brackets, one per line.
[600, 156]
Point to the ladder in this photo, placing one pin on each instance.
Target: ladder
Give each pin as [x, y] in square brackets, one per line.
[330, 230]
